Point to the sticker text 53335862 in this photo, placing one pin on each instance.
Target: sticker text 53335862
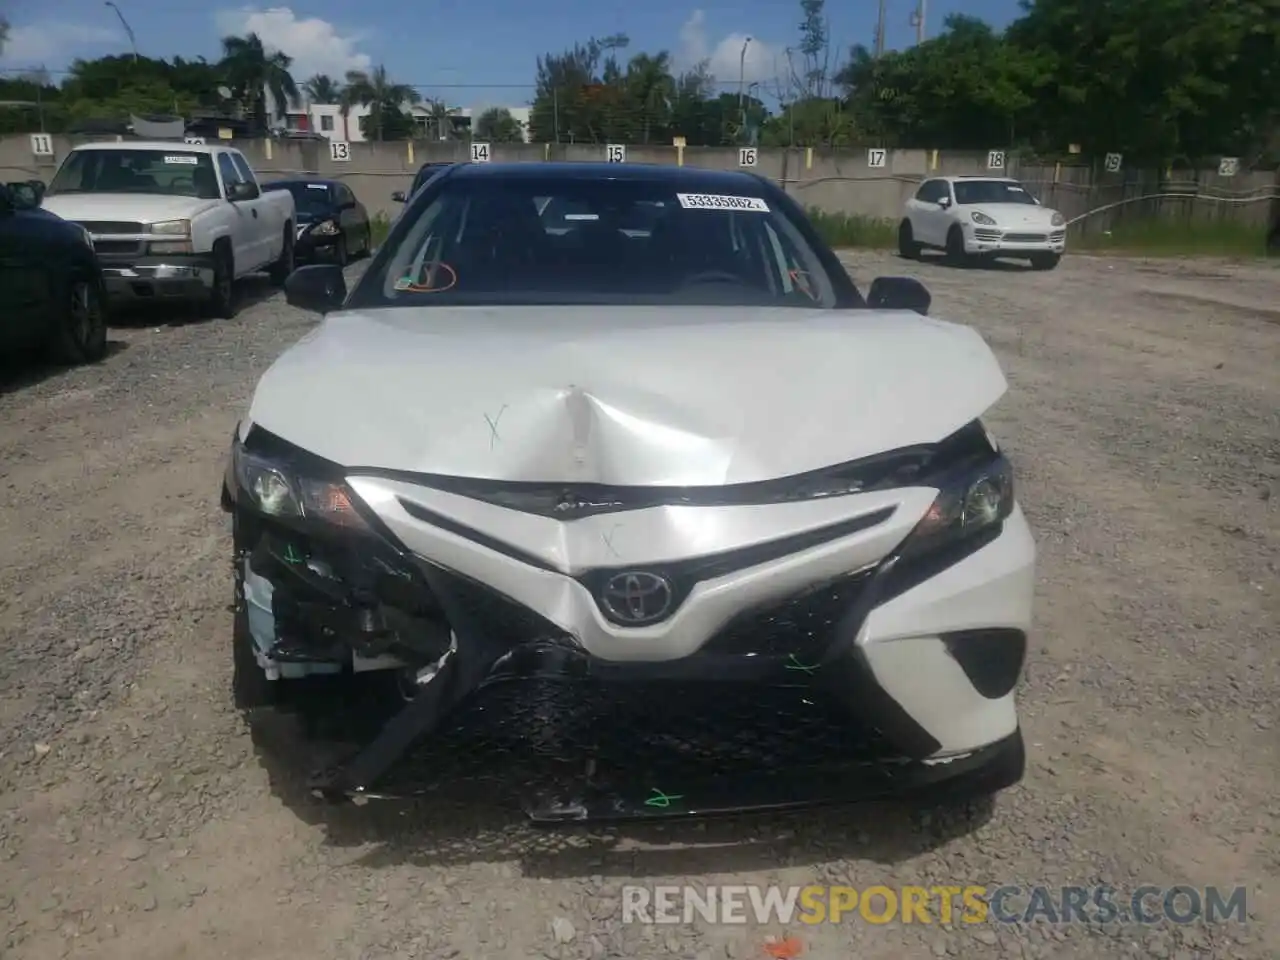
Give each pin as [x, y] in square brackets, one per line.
[190, 158]
[711, 201]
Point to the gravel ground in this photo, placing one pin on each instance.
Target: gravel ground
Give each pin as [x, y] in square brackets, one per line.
[138, 819]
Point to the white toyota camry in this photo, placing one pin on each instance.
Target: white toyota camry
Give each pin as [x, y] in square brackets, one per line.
[631, 495]
[984, 217]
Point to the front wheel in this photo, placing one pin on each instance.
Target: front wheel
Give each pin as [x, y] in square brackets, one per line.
[955, 247]
[340, 256]
[80, 335]
[1045, 261]
[222, 301]
[908, 249]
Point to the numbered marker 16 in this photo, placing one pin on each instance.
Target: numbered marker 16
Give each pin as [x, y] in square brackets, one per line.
[615, 153]
[339, 151]
[480, 153]
[747, 156]
[877, 157]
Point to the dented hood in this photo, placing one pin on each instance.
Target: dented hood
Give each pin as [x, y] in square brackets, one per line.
[623, 395]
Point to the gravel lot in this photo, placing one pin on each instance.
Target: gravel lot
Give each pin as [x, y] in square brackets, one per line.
[138, 819]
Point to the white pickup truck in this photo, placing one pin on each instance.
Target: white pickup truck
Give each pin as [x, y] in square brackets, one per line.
[174, 220]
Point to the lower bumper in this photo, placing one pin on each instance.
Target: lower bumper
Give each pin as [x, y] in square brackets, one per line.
[1013, 248]
[157, 279]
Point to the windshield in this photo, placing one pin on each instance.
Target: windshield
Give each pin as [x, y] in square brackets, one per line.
[312, 198]
[991, 191]
[547, 240]
[176, 172]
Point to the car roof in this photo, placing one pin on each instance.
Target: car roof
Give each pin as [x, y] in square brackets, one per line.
[151, 145]
[304, 181]
[975, 176]
[690, 178]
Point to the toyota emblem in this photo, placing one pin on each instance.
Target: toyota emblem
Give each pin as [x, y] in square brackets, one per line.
[637, 597]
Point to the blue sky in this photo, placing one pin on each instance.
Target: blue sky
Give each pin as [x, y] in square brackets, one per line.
[469, 52]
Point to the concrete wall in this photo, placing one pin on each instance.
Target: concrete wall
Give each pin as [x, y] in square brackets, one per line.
[834, 181]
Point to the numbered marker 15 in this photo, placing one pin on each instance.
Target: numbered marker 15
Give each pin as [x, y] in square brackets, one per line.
[615, 153]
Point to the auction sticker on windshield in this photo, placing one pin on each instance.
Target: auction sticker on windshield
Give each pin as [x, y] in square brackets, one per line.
[710, 201]
[182, 158]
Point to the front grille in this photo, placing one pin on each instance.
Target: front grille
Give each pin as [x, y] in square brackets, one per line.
[543, 736]
[496, 616]
[987, 235]
[117, 246]
[802, 626]
[1058, 235]
[112, 226]
[1024, 237]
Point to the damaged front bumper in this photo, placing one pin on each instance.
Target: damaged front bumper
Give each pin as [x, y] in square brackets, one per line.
[799, 701]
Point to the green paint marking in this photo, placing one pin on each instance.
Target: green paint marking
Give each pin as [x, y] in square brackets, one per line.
[291, 555]
[793, 663]
[660, 799]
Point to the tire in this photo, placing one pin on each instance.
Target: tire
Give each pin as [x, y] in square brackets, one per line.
[281, 269]
[955, 247]
[340, 256]
[1045, 261]
[221, 304]
[908, 249]
[81, 332]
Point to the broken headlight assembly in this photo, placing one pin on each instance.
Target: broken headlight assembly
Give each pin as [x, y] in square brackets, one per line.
[973, 501]
[288, 488]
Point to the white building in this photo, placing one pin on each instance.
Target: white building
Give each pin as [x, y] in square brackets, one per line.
[327, 119]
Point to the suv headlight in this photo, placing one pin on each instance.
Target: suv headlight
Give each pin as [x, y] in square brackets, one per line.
[1058, 220]
[972, 498]
[280, 489]
[983, 219]
[326, 228]
[171, 228]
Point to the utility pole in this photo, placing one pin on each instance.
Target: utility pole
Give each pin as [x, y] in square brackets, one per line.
[127, 29]
[917, 20]
[880, 30]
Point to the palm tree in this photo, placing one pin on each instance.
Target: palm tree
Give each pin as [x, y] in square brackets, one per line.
[376, 91]
[652, 89]
[439, 116]
[322, 88]
[252, 71]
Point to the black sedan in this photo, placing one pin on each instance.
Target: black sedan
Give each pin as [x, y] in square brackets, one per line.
[332, 224]
[50, 283]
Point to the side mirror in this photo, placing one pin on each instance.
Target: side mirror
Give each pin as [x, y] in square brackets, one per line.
[23, 196]
[899, 293]
[319, 288]
[243, 191]
[398, 197]
[944, 202]
[39, 187]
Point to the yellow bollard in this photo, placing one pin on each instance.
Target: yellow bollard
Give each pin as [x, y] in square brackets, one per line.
[410, 151]
[680, 155]
[808, 158]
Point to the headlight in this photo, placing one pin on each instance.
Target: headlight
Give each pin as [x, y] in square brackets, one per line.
[278, 489]
[983, 219]
[172, 228]
[1058, 219]
[326, 229]
[972, 499]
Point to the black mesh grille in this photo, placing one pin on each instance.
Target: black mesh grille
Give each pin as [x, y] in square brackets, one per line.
[801, 626]
[112, 226]
[116, 246]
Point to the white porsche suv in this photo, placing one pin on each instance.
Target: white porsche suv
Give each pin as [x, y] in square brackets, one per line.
[985, 217]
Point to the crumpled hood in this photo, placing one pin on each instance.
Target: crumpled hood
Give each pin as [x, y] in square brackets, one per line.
[1017, 214]
[623, 395]
[141, 207]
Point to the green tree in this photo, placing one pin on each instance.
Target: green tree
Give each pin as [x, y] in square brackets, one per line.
[322, 88]
[497, 125]
[386, 101]
[4, 34]
[576, 96]
[650, 89]
[252, 71]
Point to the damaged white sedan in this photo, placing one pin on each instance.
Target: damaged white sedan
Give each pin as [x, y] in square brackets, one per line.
[634, 494]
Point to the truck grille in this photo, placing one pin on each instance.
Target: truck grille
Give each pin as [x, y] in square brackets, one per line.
[117, 246]
[112, 226]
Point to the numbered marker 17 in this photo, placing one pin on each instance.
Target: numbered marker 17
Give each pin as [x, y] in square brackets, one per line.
[876, 157]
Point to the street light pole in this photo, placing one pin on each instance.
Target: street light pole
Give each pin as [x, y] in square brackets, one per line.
[127, 29]
[742, 76]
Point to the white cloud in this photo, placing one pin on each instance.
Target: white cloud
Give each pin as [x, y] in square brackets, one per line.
[315, 45]
[725, 60]
[56, 41]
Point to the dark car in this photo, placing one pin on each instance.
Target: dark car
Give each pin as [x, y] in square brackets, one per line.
[332, 224]
[51, 284]
[425, 173]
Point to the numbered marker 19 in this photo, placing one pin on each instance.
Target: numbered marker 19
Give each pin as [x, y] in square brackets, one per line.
[877, 157]
[615, 153]
[747, 157]
[1114, 162]
[42, 145]
[339, 151]
[480, 153]
[995, 160]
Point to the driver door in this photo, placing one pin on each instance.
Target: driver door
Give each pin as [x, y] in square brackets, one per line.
[244, 232]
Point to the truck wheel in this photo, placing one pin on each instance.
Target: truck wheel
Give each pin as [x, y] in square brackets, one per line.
[281, 269]
[222, 297]
[908, 249]
[81, 332]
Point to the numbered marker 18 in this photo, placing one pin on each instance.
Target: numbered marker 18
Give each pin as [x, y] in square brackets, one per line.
[42, 145]
[877, 157]
[1228, 166]
[995, 160]
[615, 153]
[479, 153]
[747, 156]
[339, 151]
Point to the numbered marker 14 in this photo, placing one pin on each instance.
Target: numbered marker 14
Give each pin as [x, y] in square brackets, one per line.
[480, 153]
